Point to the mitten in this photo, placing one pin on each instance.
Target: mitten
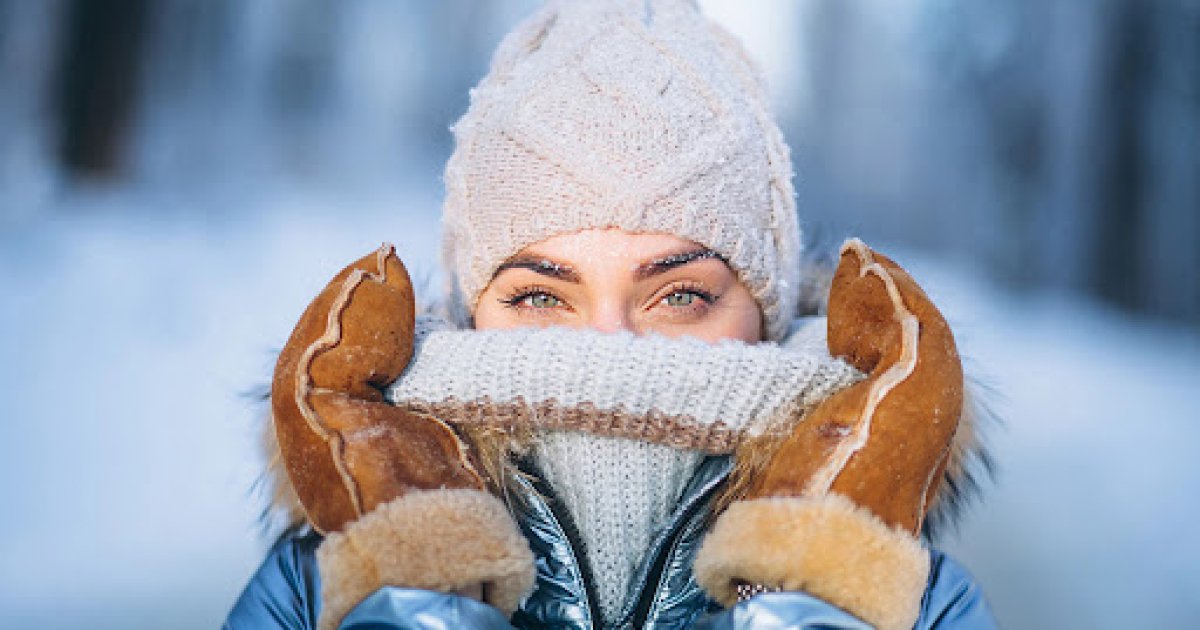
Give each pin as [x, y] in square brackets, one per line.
[396, 492]
[838, 508]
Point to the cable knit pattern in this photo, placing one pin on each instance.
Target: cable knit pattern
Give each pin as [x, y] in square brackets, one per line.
[639, 115]
[620, 421]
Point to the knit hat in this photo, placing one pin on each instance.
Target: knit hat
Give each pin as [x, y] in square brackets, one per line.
[633, 114]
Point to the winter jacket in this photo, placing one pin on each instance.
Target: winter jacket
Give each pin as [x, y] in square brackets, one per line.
[285, 592]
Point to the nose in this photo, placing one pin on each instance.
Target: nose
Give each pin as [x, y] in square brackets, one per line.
[611, 317]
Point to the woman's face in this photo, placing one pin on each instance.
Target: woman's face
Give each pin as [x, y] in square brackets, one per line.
[612, 280]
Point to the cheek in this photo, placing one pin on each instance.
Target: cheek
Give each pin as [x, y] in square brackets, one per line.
[741, 321]
[490, 314]
[735, 316]
[743, 318]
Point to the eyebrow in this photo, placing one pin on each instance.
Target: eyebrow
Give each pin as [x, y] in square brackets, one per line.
[540, 265]
[678, 259]
[559, 271]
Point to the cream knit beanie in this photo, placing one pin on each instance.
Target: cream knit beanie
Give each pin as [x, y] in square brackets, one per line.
[632, 114]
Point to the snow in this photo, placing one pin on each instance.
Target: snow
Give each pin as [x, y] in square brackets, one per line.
[138, 319]
[1089, 525]
[132, 343]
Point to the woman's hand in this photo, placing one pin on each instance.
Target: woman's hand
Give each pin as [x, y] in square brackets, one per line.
[347, 450]
[395, 491]
[884, 442]
[838, 508]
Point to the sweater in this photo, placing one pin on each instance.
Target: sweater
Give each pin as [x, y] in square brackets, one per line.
[617, 422]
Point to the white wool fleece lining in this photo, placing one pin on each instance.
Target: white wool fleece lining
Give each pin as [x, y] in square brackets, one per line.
[620, 421]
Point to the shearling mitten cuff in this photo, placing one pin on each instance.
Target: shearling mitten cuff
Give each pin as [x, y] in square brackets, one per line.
[442, 540]
[826, 546]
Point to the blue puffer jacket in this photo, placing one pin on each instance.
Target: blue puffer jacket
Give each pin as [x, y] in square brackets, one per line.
[285, 592]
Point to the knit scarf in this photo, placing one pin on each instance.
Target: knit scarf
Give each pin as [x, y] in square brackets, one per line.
[618, 422]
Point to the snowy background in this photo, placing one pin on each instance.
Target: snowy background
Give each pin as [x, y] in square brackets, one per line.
[153, 257]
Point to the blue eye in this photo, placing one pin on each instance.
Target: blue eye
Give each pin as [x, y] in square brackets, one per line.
[681, 298]
[541, 300]
[687, 297]
[533, 299]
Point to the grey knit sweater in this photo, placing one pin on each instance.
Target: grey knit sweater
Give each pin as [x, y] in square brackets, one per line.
[620, 421]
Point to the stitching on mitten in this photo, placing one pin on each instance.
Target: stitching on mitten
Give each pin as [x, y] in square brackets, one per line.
[897, 373]
[328, 340]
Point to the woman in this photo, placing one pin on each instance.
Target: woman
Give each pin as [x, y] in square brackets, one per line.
[625, 425]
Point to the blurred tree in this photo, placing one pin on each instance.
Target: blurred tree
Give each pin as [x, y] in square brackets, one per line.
[98, 82]
[1061, 145]
[458, 39]
[1144, 162]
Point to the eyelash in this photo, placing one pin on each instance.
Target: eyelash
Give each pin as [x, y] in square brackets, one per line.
[517, 297]
[707, 298]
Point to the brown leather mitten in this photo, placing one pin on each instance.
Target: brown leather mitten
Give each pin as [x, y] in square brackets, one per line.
[838, 509]
[395, 492]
